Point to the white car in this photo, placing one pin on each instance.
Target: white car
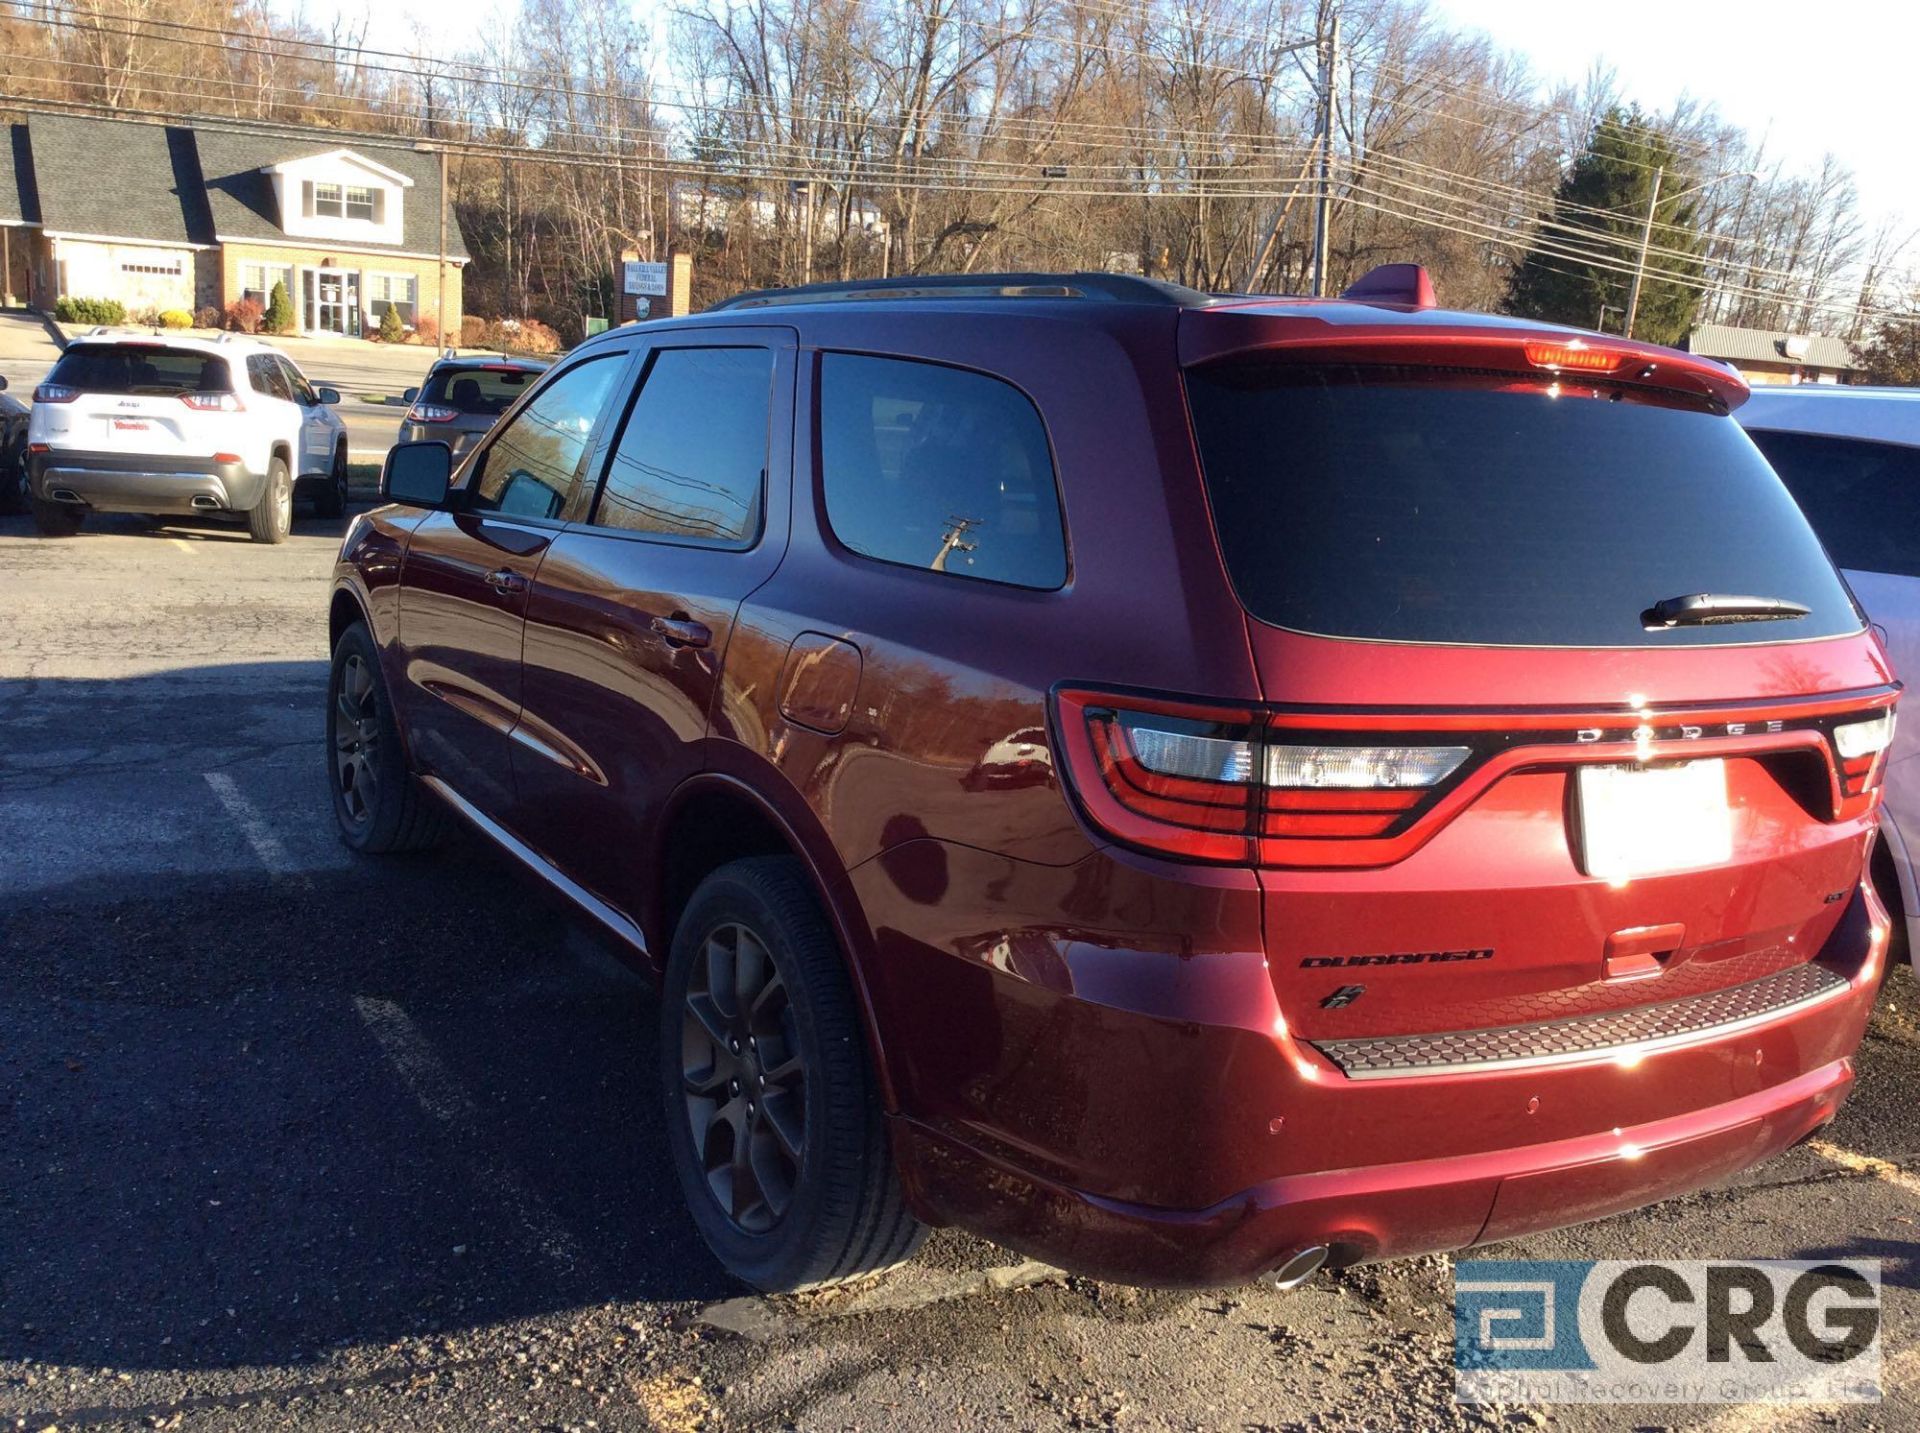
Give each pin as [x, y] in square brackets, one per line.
[1851, 458]
[157, 424]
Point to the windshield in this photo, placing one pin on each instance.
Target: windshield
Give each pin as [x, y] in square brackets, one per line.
[487, 391]
[1401, 505]
[125, 368]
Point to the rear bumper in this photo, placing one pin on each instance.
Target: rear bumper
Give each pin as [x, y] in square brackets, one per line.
[140, 483]
[1199, 1143]
[1377, 1212]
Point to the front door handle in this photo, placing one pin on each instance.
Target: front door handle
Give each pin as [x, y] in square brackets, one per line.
[506, 581]
[683, 632]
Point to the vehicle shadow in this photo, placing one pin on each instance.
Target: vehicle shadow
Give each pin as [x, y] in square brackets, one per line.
[248, 1117]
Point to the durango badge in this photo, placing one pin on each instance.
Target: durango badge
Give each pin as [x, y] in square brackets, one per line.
[1409, 957]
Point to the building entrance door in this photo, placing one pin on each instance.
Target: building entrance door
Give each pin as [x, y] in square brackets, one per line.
[333, 302]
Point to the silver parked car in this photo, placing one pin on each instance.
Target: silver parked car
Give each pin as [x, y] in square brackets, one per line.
[1851, 457]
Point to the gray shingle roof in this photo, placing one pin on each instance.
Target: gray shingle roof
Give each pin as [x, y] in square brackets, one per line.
[120, 180]
[180, 184]
[240, 193]
[19, 202]
[1764, 345]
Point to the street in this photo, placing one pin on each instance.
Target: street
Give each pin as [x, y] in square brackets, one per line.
[290, 1138]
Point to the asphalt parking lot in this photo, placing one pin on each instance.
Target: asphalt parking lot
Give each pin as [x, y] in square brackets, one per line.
[290, 1138]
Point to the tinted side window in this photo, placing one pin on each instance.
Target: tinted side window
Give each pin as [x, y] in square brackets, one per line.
[693, 455]
[296, 381]
[1863, 498]
[939, 468]
[264, 376]
[532, 462]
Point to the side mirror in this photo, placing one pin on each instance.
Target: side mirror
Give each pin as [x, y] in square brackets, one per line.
[417, 474]
[410, 395]
[329, 396]
[3, 383]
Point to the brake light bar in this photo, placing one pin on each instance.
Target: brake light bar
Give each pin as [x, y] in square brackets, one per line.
[1249, 785]
[1573, 355]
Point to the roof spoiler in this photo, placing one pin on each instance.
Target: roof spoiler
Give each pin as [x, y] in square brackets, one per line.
[1408, 284]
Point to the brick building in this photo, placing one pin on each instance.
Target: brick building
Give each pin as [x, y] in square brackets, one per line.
[197, 216]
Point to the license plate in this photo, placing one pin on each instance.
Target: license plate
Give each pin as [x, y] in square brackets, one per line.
[130, 425]
[1642, 820]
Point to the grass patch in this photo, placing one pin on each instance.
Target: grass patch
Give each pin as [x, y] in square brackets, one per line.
[363, 479]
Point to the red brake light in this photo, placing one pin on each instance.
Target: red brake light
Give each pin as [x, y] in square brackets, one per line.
[1215, 784]
[431, 413]
[1573, 354]
[55, 393]
[214, 402]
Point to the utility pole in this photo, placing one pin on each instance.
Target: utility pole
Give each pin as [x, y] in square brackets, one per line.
[443, 247]
[1646, 239]
[1323, 202]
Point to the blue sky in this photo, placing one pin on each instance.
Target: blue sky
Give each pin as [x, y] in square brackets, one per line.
[1813, 77]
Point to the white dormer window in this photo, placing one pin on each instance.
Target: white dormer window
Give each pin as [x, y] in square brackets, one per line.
[340, 195]
[344, 201]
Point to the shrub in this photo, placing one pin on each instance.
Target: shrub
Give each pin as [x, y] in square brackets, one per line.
[535, 337]
[148, 317]
[279, 317]
[244, 315]
[392, 330]
[208, 317]
[473, 332]
[175, 318]
[72, 310]
[426, 330]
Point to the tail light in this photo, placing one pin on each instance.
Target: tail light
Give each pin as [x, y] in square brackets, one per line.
[1215, 784]
[55, 393]
[1862, 748]
[431, 413]
[214, 402]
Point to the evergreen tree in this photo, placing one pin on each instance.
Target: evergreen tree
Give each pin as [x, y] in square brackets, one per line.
[392, 330]
[1892, 354]
[1615, 174]
[279, 317]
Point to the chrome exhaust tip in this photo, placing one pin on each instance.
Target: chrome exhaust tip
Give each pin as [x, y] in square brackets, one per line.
[205, 502]
[1296, 1268]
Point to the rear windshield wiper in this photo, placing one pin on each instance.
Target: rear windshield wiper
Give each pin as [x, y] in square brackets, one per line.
[1705, 608]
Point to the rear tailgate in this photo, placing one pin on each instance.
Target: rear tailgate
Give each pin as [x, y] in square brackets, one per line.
[1465, 559]
[138, 398]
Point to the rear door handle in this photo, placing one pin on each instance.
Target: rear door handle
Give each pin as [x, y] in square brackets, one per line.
[683, 632]
[506, 581]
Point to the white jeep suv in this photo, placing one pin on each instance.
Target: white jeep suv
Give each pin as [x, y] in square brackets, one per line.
[169, 425]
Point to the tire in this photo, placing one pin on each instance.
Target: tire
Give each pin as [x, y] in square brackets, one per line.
[13, 479]
[57, 519]
[378, 803]
[271, 519]
[820, 1201]
[331, 500]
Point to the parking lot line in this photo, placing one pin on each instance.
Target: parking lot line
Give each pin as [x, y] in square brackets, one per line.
[266, 845]
[1867, 1164]
[183, 544]
[438, 1091]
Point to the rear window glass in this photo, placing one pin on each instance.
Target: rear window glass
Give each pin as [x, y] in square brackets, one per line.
[487, 391]
[1863, 498]
[939, 468]
[113, 368]
[1393, 505]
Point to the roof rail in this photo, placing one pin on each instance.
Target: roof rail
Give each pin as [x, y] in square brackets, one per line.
[1114, 288]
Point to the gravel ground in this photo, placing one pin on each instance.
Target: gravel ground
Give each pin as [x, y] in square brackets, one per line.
[290, 1139]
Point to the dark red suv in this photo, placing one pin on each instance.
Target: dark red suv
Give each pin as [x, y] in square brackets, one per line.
[1186, 787]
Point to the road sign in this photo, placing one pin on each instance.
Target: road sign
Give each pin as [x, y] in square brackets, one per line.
[646, 279]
